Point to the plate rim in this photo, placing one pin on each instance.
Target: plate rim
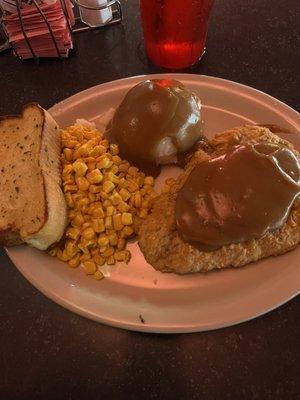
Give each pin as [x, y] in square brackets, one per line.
[139, 327]
[293, 114]
[208, 78]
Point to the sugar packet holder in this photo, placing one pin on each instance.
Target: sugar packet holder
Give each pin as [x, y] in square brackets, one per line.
[93, 14]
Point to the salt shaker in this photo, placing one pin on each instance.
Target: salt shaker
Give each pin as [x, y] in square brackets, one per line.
[92, 13]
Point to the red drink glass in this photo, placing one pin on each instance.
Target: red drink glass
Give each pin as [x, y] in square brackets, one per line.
[175, 31]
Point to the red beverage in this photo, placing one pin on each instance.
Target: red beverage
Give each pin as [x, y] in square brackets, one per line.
[175, 30]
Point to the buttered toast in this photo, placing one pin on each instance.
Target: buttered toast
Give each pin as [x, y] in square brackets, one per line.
[32, 205]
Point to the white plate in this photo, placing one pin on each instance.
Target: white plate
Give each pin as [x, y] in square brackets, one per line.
[135, 292]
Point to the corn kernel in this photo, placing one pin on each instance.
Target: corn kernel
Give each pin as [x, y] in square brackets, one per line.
[89, 160]
[52, 252]
[124, 166]
[122, 181]
[114, 149]
[107, 203]
[98, 225]
[91, 197]
[68, 180]
[110, 176]
[95, 152]
[148, 189]
[88, 233]
[133, 171]
[91, 165]
[68, 153]
[104, 143]
[109, 252]
[77, 196]
[110, 211]
[73, 233]
[75, 261]
[82, 203]
[78, 220]
[89, 267]
[104, 163]
[80, 167]
[98, 275]
[116, 160]
[131, 201]
[85, 257]
[149, 180]
[127, 231]
[126, 218]
[82, 183]
[121, 244]
[76, 155]
[88, 243]
[115, 198]
[110, 260]
[95, 189]
[59, 255]
[70, 188]
[85, 149]
[69, 199]
[117, 222]
[132, 186]
[113, 238]
[114, 169]
[94, 176]
[67, 170]
[122, 255]
[108, 223]
[123, 207]
[102, 249]
[99, 260]
[124, 194]
[127, 256]
[69, 143]
[86, 218]
[102, 149]
[70, 248]
[94, 251]
[62, 255]
[98, 212]
[103, 241]
[108, 186]
[78, 134]
[104, 195]
[137, 200]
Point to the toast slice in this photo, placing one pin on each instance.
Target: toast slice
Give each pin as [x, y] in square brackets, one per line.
[32, 205]
[165, 250]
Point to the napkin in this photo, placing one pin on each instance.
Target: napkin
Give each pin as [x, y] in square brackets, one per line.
[36, 28]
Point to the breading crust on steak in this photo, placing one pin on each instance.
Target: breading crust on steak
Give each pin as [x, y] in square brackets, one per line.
[164, 249]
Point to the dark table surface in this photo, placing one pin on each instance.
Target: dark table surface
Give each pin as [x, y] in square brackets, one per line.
[46, 352]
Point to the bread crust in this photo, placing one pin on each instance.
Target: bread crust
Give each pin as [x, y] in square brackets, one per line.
[10, 237]
[47, 228]
[164, 249]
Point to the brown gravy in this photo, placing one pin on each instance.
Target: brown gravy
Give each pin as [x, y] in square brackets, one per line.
[154, 115]
[237, 196]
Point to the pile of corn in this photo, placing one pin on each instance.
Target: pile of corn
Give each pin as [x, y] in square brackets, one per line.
[103, 193]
